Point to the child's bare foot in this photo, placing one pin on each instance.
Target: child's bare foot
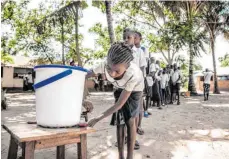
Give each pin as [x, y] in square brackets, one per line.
[140, 131]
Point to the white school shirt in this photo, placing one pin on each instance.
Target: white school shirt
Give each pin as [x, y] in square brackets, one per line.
[164, 80]
[157, 67]
[149, 80]
[146, 52]
[30, 78]
[131, 81]
[207, 77]
[139, 57]
[168, 78]
[176, 75]
[152, 67]
[157, 76]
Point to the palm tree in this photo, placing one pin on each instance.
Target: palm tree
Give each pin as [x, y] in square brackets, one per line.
[109, 21]
[105, 7]
[189, 12]
[215, 23]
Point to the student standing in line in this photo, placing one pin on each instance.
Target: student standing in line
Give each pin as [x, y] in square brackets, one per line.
[140, 60]
[152, 68]
[171, 71]
[176, 80]
[164, 81]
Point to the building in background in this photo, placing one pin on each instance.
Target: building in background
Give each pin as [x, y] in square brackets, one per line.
[223, 79]
[12, 75]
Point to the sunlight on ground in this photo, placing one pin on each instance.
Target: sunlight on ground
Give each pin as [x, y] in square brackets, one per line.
[149, 142]
[215, 105]
[192, 102]
[113, 154]
[207, 135]
[188, 149]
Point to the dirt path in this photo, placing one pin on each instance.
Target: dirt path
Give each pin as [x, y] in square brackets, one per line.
[193, 130]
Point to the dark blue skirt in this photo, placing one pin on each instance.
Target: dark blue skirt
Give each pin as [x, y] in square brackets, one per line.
[130, 109]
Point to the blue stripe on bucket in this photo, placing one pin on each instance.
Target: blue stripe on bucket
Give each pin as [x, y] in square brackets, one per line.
[52, 79]
[62, 66]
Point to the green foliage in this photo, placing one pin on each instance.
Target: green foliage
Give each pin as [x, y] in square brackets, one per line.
[5, 58]
[100, 5]
[25, 37]
[102, 41]
[224, 60]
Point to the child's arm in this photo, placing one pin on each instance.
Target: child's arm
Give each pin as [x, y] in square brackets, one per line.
[118, 105]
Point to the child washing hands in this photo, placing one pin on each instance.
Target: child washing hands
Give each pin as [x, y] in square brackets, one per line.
[128, 78]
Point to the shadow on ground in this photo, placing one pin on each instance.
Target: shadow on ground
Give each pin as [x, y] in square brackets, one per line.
[193, 130]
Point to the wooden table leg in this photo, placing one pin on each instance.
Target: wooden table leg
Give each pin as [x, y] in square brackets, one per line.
[60, 152]
[29, 149]
[12, 153]
[82, 147]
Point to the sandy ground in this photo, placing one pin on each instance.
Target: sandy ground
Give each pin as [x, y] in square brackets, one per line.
[193, 130]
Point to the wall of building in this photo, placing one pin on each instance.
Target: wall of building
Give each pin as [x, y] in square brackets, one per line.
[8, 81]
[222, 84]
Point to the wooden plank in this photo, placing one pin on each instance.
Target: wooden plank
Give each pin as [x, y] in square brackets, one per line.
[29, 150]
[48, 143]
[82, 147]
[28, 132]
[60, 152]
[12, 153]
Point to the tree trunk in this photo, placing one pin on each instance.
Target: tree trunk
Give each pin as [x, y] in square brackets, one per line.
[191, 83]
[62, 40]
[77, 34]
[109, 21]
[216, 88]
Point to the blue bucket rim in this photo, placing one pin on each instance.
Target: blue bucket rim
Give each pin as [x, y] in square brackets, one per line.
[62, 66]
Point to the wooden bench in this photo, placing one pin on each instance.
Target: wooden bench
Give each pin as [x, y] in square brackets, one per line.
[32, 137]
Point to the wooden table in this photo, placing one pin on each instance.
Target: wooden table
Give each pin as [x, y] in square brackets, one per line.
[32, 137]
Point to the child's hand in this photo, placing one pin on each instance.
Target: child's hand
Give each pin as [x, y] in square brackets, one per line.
[92, 122]
[88, 106]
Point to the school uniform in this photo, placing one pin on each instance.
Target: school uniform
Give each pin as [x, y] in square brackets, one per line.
[158, 77]
[207, 81]
[164, 81]
[167, 87]
[131, 81]
[140, 61]
[139, 57]
[152, 68]
[147, 57]
[156, 93]
[176, 84]
[148, 86]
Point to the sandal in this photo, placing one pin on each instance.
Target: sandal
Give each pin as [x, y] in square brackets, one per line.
[140, 131]
[137, 145]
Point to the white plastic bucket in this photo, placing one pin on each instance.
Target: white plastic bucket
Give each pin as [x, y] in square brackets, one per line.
[59, 94]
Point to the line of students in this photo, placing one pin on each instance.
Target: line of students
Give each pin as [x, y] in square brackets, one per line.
[162, 85]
